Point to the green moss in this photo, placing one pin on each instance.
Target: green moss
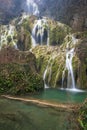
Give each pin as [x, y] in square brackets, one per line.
[81, 52]
[81, 35]
[83, 76]
[15, 79]
[9, 39]
[57, 70]
[57, 33]
[48, 56]
[26, 25]
[83, 116]
[24, 38]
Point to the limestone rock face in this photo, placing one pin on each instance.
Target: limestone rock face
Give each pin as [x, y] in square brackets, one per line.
[18, 72]
[72, 12]
[81, 51]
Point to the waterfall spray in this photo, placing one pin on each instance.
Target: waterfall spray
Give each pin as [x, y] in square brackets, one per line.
[70, 79]
[32, 8]
[8, 32]
[69, 67]
[71, 86]
[40, 33]
[48, 67]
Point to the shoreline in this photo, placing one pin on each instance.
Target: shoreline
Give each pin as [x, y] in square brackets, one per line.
[65, 107]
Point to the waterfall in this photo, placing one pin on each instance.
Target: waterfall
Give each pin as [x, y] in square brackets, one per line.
[48, 67]
[63, 77]
[3, 38]
[48, 38]
[32, 7]
[11, 32]
[7, 36]
[70, 79]
[71, 86]
[68, 66]
[49, 71]
[44, 77]
[40, 32]
[24, 16]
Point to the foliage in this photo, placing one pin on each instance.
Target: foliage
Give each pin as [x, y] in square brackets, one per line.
[15, 79]
[83, 116]
[57, 33]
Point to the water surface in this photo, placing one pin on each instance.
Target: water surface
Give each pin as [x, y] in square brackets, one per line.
[16, 115]
[61, 96]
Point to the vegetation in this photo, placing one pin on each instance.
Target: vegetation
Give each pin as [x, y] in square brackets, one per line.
[83, 116]
[52, 56]
[58, 32]
[81, 51]
[18, 79]
[22, 67]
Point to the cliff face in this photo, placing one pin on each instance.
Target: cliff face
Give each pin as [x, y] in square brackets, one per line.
[18, 72]
[9, 9]
[71, 12]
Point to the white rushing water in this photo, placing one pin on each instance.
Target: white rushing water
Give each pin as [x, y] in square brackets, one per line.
[32, 7]
[69, 67]
[40, 32]
[48, 71]
[71, 86]
[44, 78]
[49, 66]
[23, 17]
[7, 36]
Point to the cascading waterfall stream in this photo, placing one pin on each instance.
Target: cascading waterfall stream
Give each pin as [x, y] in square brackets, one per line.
[23, 17]
[45, 74]
[44, 77]
[11, 33]
[3, 38]
[40, 33]
[70, 79]
[71, 86]
[69, 67]
[49, 71]
[8, 32]
[32, 7]
[48, 39]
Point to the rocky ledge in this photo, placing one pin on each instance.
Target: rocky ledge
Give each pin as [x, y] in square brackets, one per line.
[18, 72]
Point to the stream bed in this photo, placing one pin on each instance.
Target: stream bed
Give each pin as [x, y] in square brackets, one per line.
[16, 115]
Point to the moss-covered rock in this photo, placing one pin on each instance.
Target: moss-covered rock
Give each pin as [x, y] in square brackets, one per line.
[81, 52]
[18, 72]
[52, 58]
[58, 32]
[18, 32]
[24, 33]
[18, 79]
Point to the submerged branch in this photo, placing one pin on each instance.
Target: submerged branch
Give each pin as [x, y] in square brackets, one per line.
[65, 107]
